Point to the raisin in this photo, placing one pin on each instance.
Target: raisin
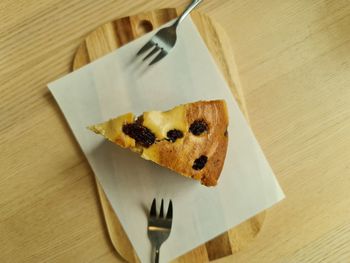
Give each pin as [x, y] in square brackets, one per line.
[200, 162]
[173, 135]
[141, 134]
[139, 120]
[198, 127]
[226, 133]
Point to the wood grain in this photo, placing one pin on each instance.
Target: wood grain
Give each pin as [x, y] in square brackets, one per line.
[117, 33]
[293, 59]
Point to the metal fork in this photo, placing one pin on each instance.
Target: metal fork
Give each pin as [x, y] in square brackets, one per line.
[165, 39]
[159, 227]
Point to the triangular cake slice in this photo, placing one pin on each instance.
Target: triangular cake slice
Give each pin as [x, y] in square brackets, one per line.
[190, 139]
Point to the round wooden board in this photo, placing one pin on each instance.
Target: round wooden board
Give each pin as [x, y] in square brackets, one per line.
[115, 34]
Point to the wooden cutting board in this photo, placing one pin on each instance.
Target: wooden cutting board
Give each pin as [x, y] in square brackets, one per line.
[115, 34]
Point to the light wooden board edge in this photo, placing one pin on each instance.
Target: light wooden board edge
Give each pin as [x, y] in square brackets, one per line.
[105, 39]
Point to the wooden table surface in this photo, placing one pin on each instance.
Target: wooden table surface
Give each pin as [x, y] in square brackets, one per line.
[293, 57]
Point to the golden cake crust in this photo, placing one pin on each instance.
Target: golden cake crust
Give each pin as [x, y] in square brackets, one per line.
[181, 155]
[198, 154]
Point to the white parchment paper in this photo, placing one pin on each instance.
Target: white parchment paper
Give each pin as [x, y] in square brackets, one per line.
[119, 83]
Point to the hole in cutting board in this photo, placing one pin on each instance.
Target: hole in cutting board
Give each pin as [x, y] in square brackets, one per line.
[144, 27]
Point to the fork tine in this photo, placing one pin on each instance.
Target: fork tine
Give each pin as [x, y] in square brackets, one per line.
[161, 55]
[161, 213]
[169, 214]
[146, 47]
[153, 212]
[155, 50]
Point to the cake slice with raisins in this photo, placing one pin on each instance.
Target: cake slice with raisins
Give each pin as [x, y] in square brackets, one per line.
[190, 139]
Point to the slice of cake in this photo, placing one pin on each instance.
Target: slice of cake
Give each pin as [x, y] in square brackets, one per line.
[190, 139]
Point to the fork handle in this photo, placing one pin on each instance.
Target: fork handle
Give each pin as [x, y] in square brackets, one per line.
[187, 11]
[156, 260]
